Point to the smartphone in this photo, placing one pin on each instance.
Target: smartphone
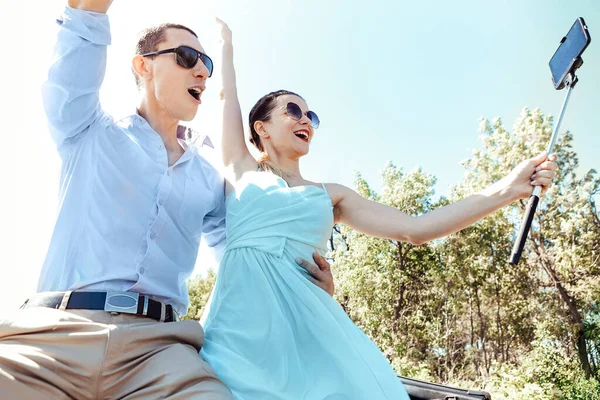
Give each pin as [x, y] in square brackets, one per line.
[566, 57]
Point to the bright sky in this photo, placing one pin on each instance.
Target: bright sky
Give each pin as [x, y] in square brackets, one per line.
[390, 80]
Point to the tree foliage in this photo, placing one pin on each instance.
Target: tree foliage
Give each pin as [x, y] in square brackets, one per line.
[454, 310]
[199, 289]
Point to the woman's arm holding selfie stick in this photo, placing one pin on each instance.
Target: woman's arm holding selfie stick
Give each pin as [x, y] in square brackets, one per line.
[387, 222]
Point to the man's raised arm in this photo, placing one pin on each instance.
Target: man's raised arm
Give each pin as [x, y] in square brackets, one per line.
[71, 92]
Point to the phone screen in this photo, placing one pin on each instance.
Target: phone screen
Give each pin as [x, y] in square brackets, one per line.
[572, 47]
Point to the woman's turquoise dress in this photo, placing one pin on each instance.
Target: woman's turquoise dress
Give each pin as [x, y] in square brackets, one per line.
[270, 333]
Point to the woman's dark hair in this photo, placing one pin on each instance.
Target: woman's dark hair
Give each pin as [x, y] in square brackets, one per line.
[262, 112]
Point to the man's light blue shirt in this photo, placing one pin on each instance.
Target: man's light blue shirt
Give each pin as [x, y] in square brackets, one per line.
[126, 220]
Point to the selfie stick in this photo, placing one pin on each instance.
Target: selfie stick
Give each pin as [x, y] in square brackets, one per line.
[570, 82]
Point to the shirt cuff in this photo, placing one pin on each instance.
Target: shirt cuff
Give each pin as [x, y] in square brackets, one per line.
[91, 26]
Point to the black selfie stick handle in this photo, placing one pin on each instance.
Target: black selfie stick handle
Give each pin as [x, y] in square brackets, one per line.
[535, 197]
[525, 226]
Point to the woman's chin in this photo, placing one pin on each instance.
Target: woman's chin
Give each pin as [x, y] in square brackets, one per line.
[302, 151]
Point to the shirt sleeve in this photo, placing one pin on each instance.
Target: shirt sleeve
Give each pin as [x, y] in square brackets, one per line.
[214, 232]
[71, 92]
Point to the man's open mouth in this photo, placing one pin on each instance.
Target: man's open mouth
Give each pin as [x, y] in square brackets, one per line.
[195, 93]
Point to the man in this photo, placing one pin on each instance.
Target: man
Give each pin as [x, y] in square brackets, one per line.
[135, 198]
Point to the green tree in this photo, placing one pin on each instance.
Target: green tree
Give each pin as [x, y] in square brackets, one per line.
[199, 289]
[454, 309]
[383, 284]
[564, 243]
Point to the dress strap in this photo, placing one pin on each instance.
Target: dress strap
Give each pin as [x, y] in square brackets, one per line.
[324, 188]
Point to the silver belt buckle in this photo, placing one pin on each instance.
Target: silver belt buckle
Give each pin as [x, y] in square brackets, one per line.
[121, 302]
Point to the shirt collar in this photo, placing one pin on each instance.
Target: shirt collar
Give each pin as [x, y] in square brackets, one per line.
[184, 133]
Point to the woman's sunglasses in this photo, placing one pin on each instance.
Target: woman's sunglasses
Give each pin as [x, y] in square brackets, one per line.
[186, 57]
[294, 111]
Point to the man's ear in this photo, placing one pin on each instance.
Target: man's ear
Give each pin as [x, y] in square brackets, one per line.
[261, 129]
[141, 67]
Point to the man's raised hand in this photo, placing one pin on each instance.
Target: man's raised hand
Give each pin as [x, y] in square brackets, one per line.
[99, 6]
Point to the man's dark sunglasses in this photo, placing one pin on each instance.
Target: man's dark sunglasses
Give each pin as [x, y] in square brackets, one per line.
[294, 111]
[186, 57]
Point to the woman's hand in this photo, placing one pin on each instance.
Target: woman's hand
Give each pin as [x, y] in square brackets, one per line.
[537, 171]
[225, 31]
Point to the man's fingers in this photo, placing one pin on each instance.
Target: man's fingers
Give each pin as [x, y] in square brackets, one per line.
[321, 262]
[321, 275]
[310, 267]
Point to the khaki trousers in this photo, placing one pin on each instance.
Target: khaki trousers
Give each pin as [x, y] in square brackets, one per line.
[83, 354]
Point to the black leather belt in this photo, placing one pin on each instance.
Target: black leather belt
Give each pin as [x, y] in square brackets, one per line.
[116, 302]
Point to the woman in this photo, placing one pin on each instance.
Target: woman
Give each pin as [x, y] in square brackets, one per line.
[269, 332]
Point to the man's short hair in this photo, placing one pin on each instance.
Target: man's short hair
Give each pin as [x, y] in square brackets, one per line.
[151, 37]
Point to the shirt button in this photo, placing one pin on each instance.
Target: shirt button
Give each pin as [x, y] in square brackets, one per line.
[153, 236]
[160, 147]
[142, 270]
[160, 202]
